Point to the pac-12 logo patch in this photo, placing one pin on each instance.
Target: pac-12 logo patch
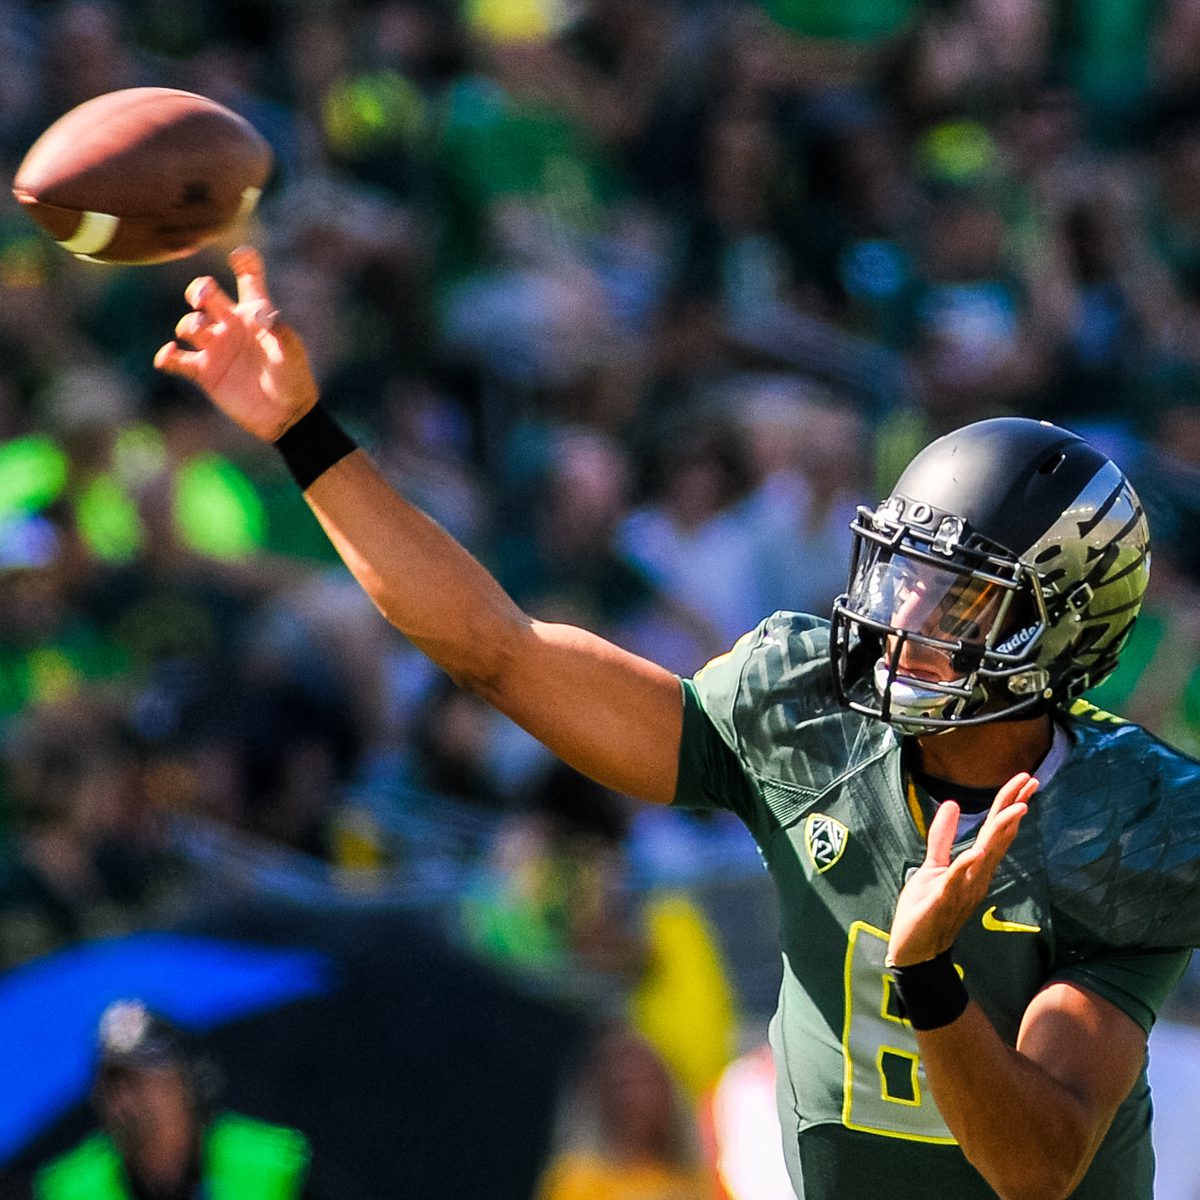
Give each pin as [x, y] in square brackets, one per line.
[825, 838]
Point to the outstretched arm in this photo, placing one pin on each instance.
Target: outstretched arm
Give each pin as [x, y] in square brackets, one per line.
[610, 714]
[1030, 1118]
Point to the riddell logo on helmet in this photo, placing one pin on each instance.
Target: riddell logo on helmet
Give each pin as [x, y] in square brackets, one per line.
[1021, 638]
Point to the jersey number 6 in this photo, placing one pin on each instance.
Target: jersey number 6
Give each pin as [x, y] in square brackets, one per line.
[884, 1089]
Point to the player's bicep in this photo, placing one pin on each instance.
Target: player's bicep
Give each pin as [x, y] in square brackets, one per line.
[1092, 1048]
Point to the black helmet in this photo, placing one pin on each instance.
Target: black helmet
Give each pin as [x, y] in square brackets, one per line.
[1010, 548]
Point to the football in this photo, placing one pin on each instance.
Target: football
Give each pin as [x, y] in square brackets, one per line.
[142, 175]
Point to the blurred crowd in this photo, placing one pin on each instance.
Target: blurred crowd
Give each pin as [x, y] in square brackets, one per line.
[638, 298]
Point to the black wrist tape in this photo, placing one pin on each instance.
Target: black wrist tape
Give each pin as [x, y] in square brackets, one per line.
[931, 993]
[311, 446]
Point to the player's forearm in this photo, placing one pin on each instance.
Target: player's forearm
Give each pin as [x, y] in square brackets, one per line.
[1025, 1133]
[425, 583]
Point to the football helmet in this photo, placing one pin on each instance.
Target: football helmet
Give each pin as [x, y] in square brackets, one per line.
[1000, 578]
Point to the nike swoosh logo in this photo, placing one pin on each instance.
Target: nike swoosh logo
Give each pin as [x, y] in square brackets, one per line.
[993, 924]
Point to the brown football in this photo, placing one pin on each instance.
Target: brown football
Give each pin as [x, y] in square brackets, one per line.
[142, 175]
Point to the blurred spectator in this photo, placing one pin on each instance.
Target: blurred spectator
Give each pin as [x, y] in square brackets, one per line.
[975, 57]
[463, 749]
[626, 1132]
[863, 206]
[1169, 58]
[88, 52]
[88, 852]
[1173, 219]
[1108, 60]
[426, 447]
[547, 901]
[1158, 681]
[691, 537]
[822, 44]
[161, 1136]
[566, 557]
[811, 459]
[622, 54]
[554, 901]
[552, 895]
[52, 646]
[740, 254]
[739, 1125]
[1168, 472]
[1096, 297]
[974, 334]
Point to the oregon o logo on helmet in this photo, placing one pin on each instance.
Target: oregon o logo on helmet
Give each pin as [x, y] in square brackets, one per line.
[920, 513]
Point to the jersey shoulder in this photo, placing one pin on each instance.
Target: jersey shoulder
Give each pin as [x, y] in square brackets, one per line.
[772, 700]
[1121, 836]
[90, 1169]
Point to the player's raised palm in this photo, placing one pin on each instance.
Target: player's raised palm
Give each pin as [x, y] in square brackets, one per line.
[941, 894]
[253, 367]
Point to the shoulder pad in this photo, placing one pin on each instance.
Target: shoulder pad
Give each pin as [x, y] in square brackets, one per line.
[772, 700]
[1121, 830]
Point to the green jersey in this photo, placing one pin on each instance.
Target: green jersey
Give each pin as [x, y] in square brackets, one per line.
[243, 1159]
[1101, 887]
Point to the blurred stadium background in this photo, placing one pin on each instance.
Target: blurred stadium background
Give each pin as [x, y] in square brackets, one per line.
[638, 298]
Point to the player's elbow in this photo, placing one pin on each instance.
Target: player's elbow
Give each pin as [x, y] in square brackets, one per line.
[1048, 1189]
[479, 649]
[1040, 1177]
[488, 668]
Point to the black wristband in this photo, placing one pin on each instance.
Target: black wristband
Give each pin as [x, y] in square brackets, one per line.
[931, 993]
[311, 446]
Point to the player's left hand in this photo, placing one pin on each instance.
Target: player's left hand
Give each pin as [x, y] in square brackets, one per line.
[940, 895]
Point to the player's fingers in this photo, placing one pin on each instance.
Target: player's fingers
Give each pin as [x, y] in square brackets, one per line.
[284, 342]
[173, 359]
[1017, 790]
[1001, 835]
[1014, 789]
[251, 275]
[195, 327]
[979, 863]
[205, 294]
[941, 835]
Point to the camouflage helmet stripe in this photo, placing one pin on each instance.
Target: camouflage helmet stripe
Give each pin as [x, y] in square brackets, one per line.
[1102, 509]
[1128, 569]
[1132, 606]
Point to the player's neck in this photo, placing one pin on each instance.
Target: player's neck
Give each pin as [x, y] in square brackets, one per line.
[987, 755]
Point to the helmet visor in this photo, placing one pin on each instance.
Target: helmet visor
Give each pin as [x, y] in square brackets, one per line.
[914, 596]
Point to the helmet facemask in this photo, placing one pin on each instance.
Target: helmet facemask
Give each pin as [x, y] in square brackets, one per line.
[945, 627]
